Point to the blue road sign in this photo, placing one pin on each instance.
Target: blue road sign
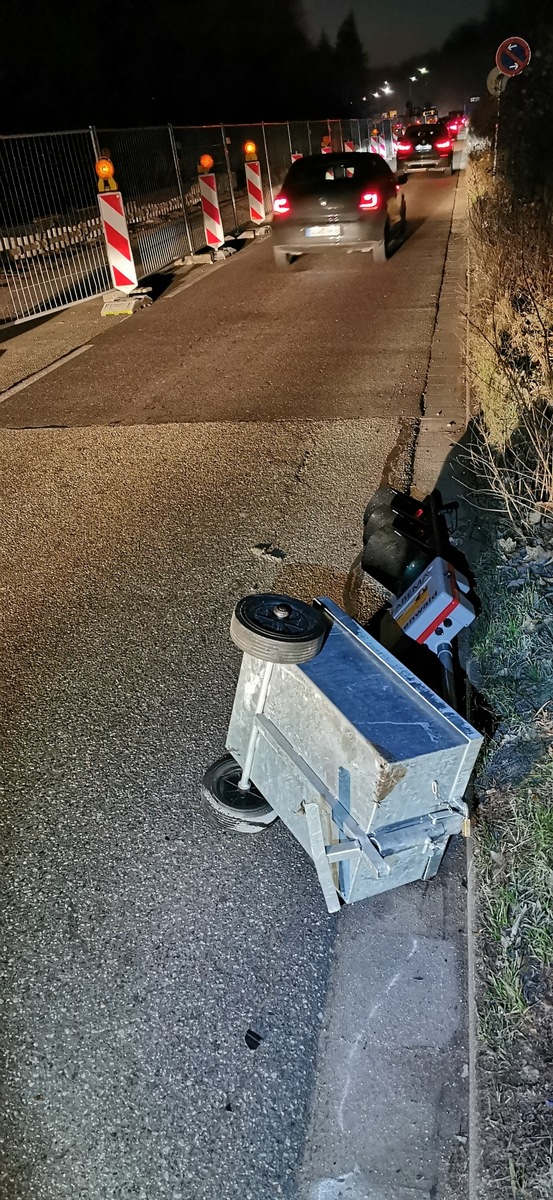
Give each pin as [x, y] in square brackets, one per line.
[513, 56]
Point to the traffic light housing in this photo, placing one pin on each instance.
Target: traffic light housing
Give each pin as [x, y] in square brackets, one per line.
[401, 536]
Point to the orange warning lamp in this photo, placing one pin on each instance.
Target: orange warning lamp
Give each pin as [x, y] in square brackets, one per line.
[250, 150]
[105, 171]
[325, 141]
[205, 163]
[105, 168]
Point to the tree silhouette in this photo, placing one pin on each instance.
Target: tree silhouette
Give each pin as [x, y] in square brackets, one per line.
[351, 68]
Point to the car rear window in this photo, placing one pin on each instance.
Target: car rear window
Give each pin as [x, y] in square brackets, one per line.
[425, 133]
[310, 173]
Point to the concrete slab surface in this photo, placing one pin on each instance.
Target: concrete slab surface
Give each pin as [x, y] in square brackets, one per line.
[142, 941]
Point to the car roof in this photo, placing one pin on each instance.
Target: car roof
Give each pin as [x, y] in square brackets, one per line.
[337, 156]
[421, 128]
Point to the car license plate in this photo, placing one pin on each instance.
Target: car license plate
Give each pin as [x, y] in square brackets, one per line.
[323, 231]
[423, 148]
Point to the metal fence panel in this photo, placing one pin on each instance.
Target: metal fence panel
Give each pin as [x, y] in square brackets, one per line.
[146, 172]
[191, 142]
[318, 130]
[335, 131]
[300, 138]
[52, 250]
[352, 131]
[236, 137]
[277, 145]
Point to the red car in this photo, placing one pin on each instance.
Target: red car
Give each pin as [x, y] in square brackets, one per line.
[456, 122]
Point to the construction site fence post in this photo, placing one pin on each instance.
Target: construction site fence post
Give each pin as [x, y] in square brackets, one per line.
[52, 249]
[230, 183]
[180, 187]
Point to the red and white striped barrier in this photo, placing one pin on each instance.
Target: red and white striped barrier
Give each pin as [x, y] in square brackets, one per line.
[350, 147]
[378, 145]
[295, 157]
[326, 149]
[211, 213]
[121, 262]
[254, 187]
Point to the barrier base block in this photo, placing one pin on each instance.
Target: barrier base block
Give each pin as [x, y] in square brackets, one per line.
[117, 304]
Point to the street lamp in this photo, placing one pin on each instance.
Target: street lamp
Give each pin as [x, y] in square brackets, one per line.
[423, 70]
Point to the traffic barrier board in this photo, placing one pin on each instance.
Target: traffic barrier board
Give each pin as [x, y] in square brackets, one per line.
[211, 213]
[120, 257]
[256, 202]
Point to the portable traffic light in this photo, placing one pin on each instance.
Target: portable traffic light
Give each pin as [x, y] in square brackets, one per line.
[105, 171]
[399, 539]
[205, 163]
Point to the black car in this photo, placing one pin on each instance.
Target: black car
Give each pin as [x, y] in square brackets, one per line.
[349, 201]
[426, 148]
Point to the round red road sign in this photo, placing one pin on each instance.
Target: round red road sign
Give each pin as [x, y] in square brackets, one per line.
[513, 55]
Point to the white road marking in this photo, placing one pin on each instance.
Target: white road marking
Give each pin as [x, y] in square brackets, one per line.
[60, 362]
[190, 282]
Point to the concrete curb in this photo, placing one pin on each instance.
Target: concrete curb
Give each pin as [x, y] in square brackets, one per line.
[448, 394]
[444, 401]
[390, 1114]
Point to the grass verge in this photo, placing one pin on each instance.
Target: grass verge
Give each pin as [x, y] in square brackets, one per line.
[512, 664]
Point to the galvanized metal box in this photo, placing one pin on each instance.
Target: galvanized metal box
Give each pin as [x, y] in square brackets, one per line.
[365, 764]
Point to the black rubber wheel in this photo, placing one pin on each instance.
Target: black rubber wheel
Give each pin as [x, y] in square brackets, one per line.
[239, 811]
[403, 218]
[392, 560]
[278, 629]
[381, 250]
[380, 502]
[282, 258]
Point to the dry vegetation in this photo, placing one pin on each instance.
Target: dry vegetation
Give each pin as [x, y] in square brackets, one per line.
[512, 344]
[511, 366]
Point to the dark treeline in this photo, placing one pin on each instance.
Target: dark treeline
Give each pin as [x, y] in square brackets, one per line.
[70, 64]
[460, 69]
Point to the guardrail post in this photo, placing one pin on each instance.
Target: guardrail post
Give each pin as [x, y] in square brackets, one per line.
[180, 187]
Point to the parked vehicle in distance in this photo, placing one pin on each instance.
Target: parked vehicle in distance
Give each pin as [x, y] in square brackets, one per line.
[425, 148]
[349, 201]
[456, 123]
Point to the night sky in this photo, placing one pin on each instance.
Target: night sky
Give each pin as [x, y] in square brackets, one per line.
[393, 30]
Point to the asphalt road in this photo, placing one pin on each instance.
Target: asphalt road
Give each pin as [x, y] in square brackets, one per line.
[140, 942]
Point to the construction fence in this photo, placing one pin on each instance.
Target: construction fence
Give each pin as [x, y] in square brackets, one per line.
[52, 249]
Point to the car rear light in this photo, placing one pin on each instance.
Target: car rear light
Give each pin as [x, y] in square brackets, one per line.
[281, 206]
[368, 200]
[443, 145]
[404, 147]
